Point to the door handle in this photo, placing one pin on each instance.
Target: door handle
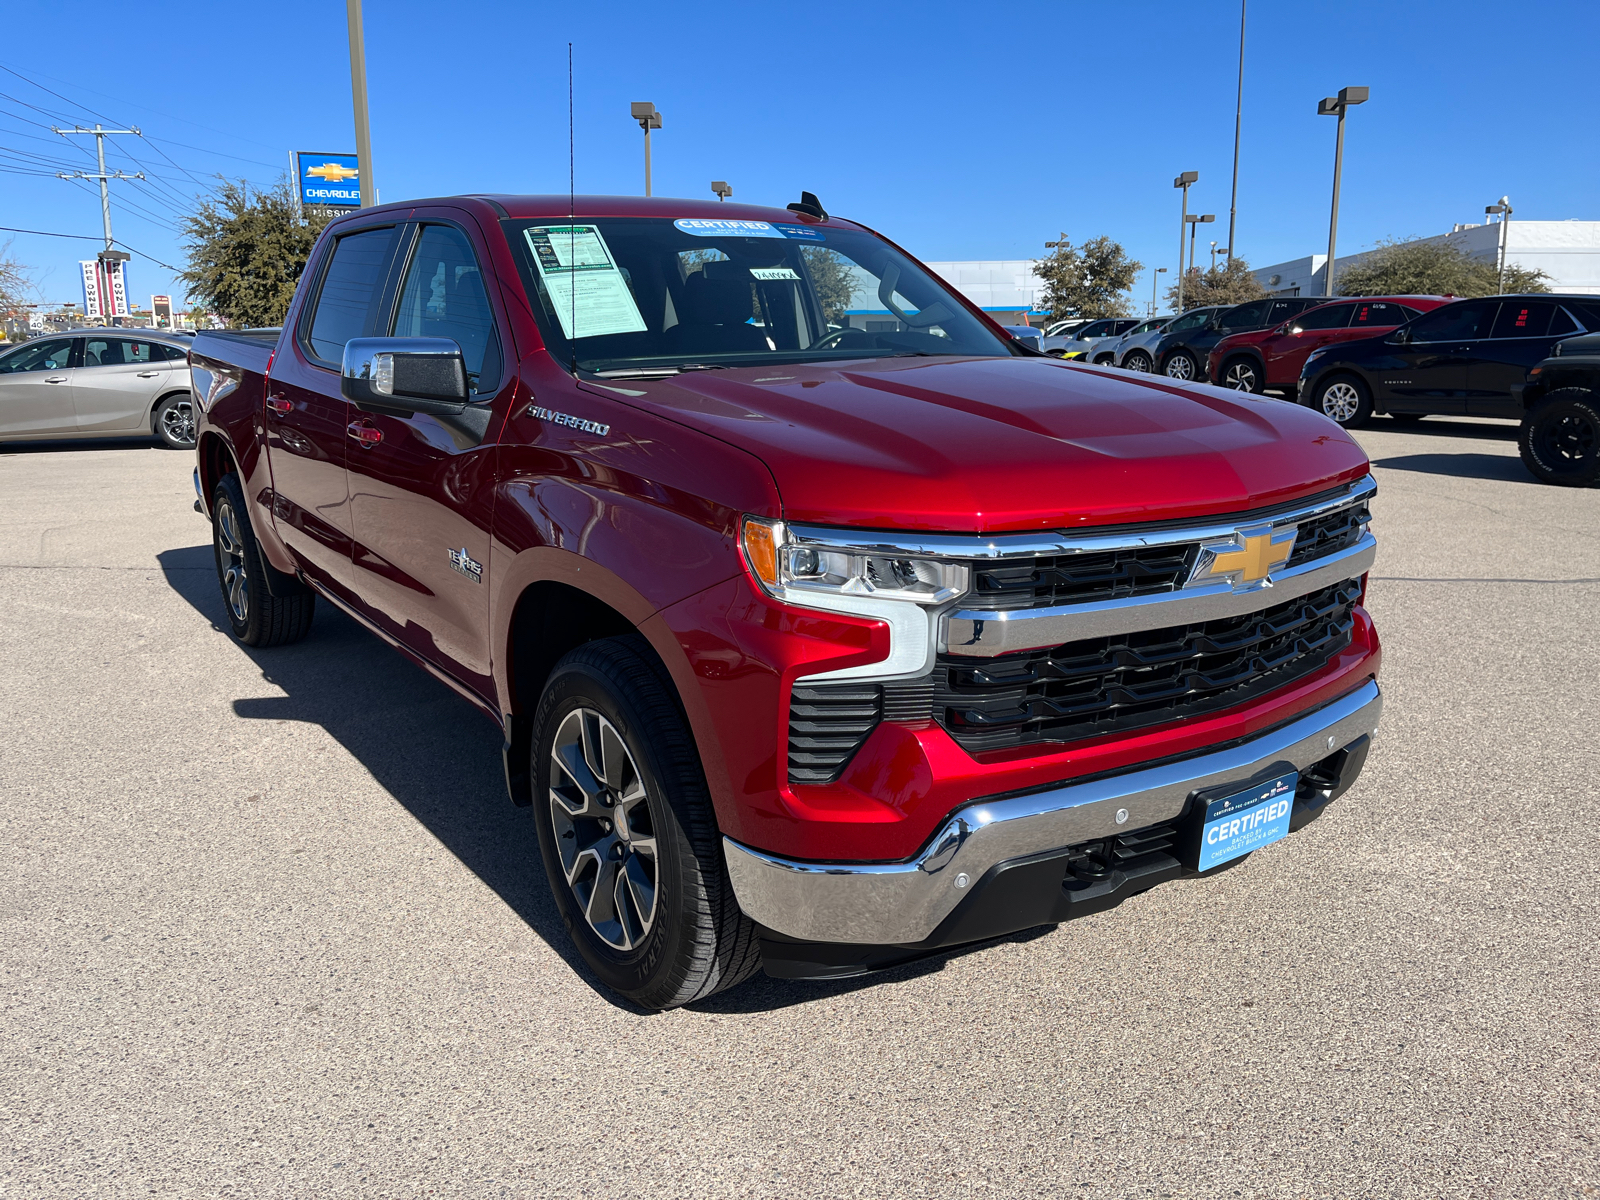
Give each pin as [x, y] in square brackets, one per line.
[55, 378]
[148, 374]
[279, 405]
[367, 435]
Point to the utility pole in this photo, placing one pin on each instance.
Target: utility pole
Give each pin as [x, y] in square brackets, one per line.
[358, 96]
[100, 152]
[1238, 115]
[1335, 106]
[1183, 181]
[644, 112]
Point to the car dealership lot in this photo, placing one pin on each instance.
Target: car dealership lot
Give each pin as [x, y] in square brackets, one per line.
[269, 925]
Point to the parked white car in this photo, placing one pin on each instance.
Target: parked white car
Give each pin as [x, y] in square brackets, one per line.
[1081, 343]
[1133, 349]
[98, 383]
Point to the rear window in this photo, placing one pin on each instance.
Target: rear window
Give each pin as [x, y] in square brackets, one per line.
[1380, 312]
[1523, 318]
[1335, 316]
[347, 304]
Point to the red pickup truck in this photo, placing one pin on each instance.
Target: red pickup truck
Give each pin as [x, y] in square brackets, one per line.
[819, 641]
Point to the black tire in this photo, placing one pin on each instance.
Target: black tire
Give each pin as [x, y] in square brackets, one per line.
[1342, 398]
[693, 940]
[256, 616]
[1243, 374]
[1182, 366]
[1136, 360]
[1103, 360]
[173, 422]
[1560, 439]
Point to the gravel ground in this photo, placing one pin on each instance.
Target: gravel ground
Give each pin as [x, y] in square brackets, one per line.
[269, 926]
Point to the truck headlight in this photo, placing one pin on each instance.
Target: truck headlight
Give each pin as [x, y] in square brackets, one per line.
[875, 581]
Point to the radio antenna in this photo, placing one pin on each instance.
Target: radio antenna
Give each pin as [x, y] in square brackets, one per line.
[572, 205]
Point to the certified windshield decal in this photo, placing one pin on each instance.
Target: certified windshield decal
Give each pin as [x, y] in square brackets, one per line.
[715, 227]
[587, 290]
[803, 233]
[773, 273]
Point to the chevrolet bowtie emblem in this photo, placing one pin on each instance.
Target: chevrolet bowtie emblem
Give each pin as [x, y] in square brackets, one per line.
[333, 172]
[1248, 559]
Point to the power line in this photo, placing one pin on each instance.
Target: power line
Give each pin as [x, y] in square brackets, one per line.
[83, 237]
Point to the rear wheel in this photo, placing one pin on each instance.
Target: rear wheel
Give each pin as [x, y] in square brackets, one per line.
[1137, 360]
[1242, 375]
[629, 842]
[173, 422]
[1182, 365]
[1560, 440]
[256, 616]
[1103, 360]
[1343, 398]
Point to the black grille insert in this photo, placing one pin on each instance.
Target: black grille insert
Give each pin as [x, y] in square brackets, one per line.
[1329, 534]
[1075, 578]
[827, 724]
[1127, 681]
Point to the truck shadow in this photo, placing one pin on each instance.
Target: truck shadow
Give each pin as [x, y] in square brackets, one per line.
[440, 758]
[1461, 466]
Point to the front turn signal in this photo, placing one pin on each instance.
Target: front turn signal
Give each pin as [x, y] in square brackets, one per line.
[760, 541]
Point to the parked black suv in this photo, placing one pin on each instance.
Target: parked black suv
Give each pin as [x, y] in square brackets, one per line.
[1463, 359]
[1560, 434]
[1181, 352]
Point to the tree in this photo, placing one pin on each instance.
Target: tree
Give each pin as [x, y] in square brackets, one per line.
[834, 284]
[15, 285]
[1427, 268]
[1091, 281]
[247, 250]
[1231, 283]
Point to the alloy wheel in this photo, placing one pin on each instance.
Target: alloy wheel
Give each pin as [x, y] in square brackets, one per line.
[177, 420]
[1572, 441]
[601, 818]
[1180, 366]
[230, 547]
[1341, 401]
[1137, 362]
[1241, 376]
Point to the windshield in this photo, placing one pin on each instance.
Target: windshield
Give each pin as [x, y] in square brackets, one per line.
[630, 294]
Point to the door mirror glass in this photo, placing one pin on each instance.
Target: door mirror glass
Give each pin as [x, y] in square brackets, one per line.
[1399, 337]
[405, 375]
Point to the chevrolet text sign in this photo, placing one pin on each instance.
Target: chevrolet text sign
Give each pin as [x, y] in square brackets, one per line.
[331, 179]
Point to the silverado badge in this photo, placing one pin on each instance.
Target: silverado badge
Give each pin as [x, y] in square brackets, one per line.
[463, 563]
[1245, 560]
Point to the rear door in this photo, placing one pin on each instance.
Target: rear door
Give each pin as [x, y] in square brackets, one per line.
[1285, 353]
[309, 424]
[420, 486]
[115, 385]
[1523, 334]
[36, 390]
[1428, 372]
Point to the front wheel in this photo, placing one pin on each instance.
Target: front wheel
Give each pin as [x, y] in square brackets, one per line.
[1137, 360]
[173, 422]
[1242, 375]
[1560, 440]
[1182, 366]
[630, 845]
[256, 616]
[1343, 398]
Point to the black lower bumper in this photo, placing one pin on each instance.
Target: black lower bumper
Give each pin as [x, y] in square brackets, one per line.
[1046, 889]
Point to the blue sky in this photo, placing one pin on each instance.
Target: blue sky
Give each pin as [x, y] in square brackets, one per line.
[962, 131]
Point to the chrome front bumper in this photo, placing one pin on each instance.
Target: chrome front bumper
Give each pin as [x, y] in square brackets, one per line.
[891, 904]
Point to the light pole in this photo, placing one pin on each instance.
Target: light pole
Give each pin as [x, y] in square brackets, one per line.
[645, 113]
[1504, 210]
[358, 95]
[720, 189]
[1155, 278]
[1238, 114]
[1183, 181]
[1213, 258]
[1195, 220]
[1335, 106]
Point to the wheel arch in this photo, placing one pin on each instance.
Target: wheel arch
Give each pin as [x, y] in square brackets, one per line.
[214, 458]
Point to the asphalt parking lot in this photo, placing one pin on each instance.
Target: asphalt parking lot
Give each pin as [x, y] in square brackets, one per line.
[269, 926]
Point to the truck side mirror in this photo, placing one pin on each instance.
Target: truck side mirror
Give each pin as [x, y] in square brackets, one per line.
[405, 375]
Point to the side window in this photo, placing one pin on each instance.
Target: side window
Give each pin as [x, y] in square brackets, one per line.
[349, 295]
[443, 296]
[172, 353]
[1286, 310]
[40, 356]
[1561, 324]
[1379, 312]
[1455, 322]
[1523, 318]
[1246, 316]
[141, 352]
[1334, 316]
[102, 352]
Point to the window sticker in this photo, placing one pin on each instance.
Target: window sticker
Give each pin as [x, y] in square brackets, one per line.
[715, 227]
[802, 233]
[773, 273]
[590, 295]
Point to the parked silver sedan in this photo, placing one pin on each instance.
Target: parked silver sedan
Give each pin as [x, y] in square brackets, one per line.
[98, 383]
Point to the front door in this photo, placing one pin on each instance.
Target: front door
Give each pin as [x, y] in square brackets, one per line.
[421, 487]
[308, 422]
[36, 390]
[1285, 353]
[1522, 335]
[1428, 372]
[117, 382]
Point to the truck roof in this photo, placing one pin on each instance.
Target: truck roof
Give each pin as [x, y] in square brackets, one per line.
[551, 207]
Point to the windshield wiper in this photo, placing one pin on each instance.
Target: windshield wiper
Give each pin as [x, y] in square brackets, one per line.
[659, 372]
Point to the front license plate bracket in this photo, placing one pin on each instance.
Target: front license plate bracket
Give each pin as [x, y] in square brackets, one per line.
[1228, 822]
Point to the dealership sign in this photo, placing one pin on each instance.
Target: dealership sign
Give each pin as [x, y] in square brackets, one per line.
[330, 179]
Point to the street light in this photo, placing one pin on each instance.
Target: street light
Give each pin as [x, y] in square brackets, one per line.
[645, 113]
[720, 189]
[1183, 181]
[1154, 280]
[1213, 258]
[1335, 106]
[1195, 220]
[1504, 211]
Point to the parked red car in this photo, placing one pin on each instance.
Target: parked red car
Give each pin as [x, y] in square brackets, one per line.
[1272, 358]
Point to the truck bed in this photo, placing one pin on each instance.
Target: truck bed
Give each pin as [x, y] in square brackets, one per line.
[250, 349]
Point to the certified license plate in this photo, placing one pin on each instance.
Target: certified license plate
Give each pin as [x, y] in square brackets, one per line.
[1247, 820]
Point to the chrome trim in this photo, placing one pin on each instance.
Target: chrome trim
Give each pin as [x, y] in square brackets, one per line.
[986, 634]
[904, 903]
[1030, 545]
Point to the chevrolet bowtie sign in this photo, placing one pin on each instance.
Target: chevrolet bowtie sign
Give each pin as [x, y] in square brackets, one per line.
[328, 179]
[1247, 561]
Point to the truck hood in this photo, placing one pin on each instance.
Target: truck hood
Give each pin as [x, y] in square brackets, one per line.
[986, 445]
